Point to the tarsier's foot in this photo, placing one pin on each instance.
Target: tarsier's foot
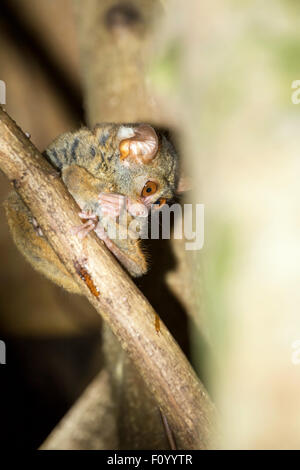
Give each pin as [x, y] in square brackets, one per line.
[112, 205]
[37, 228]
[91, 221]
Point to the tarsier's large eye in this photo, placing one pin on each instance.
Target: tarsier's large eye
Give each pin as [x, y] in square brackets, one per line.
[149, 188]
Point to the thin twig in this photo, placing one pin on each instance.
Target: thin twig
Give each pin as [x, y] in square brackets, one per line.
[168, 431]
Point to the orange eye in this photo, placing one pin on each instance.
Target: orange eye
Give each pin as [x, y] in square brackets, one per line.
[149, 189]
[160, 202]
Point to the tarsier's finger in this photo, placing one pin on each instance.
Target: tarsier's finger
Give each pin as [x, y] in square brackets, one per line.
[88, 215]
[111, 204]
[110, 210]
[112, 198]
[83, 233]
[137, 209]
[82, 230]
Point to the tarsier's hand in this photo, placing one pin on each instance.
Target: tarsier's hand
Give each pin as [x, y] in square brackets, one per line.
[113, 204]
[112, 216]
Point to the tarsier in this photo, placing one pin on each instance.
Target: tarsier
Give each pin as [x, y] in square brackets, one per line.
[113, 171]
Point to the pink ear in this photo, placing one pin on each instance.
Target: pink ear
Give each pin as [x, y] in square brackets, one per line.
[142, 147]
[184, 184]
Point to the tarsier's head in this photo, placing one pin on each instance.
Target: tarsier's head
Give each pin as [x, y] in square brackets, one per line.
[147, 165]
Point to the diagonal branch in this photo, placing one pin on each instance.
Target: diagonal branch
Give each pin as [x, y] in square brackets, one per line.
[164, 368]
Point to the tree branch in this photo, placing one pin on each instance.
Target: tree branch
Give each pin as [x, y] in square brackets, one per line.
[158, 358]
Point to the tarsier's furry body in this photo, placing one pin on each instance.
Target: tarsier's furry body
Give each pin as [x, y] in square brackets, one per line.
[112, 171]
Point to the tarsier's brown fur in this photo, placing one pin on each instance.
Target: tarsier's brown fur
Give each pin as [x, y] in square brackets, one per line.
[112, 158]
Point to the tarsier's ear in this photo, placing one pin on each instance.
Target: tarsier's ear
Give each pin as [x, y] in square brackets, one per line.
[142, 147]
[184, 184]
